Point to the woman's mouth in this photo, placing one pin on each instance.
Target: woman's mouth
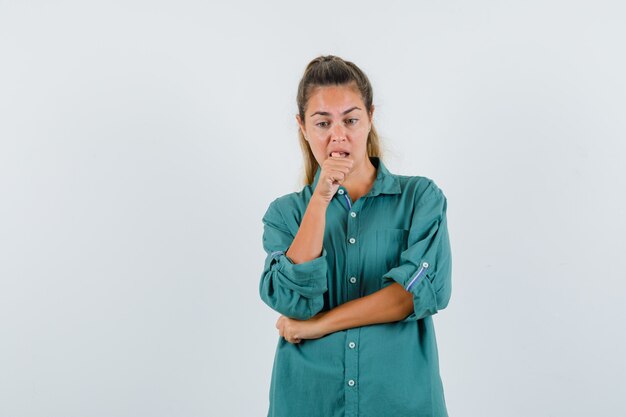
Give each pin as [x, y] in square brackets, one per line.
[339, 154]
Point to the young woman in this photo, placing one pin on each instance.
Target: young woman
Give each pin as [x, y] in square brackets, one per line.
[357, 263]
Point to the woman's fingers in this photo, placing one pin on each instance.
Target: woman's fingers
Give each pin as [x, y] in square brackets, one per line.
[294, 339]
[285, 330]
[295, 331]
[338, 176]
[334, 172]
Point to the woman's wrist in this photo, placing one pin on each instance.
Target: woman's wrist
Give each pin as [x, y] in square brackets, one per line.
[324, 322]
[317, 201]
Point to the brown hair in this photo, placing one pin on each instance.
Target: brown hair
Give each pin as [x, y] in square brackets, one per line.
[332, 70]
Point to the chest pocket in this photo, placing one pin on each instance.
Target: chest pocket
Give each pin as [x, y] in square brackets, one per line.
[389, 245]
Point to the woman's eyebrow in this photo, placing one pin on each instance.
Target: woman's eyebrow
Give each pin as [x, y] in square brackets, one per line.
[325, 113]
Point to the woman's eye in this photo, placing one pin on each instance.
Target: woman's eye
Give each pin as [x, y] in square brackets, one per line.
[322, 124]
[352, 121]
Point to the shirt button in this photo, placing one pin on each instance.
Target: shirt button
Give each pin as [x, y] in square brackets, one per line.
[340, 191]
[351, 382]
[353, 279]
[353, 214]
[352, 240]
[352, 345]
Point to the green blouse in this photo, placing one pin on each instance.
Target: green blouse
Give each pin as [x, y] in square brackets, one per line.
[397, 232]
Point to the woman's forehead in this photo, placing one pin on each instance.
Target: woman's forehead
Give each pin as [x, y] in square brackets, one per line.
[334, 99]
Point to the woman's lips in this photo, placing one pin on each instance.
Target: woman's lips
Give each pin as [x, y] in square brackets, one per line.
[339, 154]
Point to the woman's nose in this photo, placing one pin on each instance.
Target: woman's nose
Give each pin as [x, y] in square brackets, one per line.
[338, 134]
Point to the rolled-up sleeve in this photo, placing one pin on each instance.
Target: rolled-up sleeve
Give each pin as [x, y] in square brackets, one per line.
[425, 268]
[294, 290]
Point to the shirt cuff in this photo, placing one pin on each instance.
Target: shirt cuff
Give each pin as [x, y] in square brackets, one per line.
[419, 285]
[305, 271]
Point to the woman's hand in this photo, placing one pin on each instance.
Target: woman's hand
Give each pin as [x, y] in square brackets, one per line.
[333, 173]
[294, 331]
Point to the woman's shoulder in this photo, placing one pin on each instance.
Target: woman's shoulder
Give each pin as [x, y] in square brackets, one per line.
[291, 202]
[419, 185]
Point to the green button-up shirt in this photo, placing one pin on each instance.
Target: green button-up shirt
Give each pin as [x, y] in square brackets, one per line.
[397, 232]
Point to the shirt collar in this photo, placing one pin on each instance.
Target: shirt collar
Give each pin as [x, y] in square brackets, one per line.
[385, 182]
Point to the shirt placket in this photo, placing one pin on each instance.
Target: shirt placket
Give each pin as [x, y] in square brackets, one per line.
[351, 347]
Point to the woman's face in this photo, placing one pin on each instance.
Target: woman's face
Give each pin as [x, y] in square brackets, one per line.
[336, 120]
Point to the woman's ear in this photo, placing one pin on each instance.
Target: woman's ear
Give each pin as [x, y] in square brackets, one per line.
[371, 116]
[301, 125]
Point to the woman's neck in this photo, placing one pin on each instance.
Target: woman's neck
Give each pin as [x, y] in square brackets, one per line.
[361, 180]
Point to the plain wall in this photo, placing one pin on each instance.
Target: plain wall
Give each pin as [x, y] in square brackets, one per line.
[141, 142]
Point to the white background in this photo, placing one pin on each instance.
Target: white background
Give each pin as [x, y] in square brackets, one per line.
[141, 142]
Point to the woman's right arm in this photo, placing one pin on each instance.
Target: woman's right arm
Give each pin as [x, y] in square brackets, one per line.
[294, 278]
[308, 243]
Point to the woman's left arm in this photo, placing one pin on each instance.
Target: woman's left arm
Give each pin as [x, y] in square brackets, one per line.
[389, 304]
